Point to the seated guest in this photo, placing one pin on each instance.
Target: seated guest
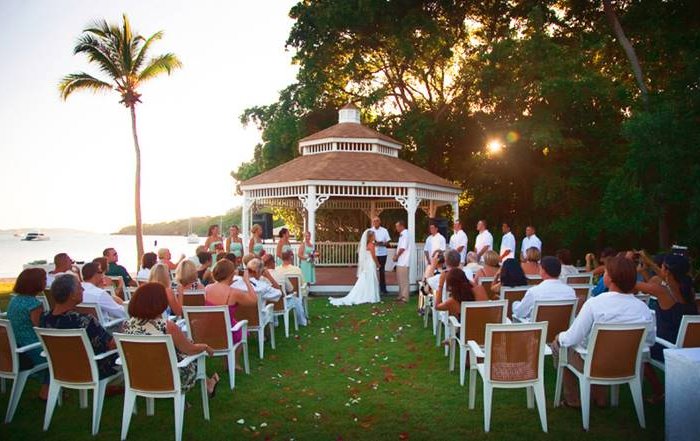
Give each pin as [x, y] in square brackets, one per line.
[204, 269]
[436, 266]
[146, 310]
[673, 289]
[24, 312]
[461, 290]
[598, 267]
[567, 267]
[287, 268]
[511, 275]
[68, 293]
[280, 274]
[437, 282]
[491, 266]
[600, 287]
[618, 306]
[195, 258]
[551, 288]
[63, 264]
[106, 281]
[473, 262]
[147, 262]
[161, 274]
[165, 258]
[531, 265]
[220, 293]
[111, 307]
[186, 277]
[263, 286]
[116, 270]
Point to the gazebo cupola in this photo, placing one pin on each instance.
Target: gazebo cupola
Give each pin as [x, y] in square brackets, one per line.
[349, 135]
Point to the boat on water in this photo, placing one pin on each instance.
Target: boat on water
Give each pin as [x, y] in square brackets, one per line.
[35, 236]
[192, 238]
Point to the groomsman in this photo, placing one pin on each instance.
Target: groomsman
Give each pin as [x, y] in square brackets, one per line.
[402, 259]
[530, 240]
[459, 241]
[381, 240]
[434, 242]
[507, 243]
[484, 240]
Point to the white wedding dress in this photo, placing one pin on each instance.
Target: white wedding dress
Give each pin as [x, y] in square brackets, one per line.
[366, 289]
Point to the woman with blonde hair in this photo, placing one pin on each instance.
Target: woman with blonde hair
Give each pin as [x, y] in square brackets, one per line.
[307, 258]
[282, 246]
[165, 258]
[491, 265]
[161, 274]
[187, 278]
[531, 266]
[255, 245]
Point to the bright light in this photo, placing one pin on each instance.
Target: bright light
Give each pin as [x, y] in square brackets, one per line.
[494, 146]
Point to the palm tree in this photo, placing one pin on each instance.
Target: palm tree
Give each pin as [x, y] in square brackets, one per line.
[122, 56]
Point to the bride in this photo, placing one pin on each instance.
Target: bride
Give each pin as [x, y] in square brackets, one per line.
[366, 289]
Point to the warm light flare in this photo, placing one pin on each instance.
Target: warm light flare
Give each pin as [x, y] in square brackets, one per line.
[494, 146]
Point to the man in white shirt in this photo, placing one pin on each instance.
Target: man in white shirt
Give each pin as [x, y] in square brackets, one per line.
[280, 274]
[111, 307]
[530, 240]
[63, 264]
[434, 242]
[507, 243]
[617, 306]
[459, 241]
[551, 288]
[402, 259]
[484, 240]
[381, 240]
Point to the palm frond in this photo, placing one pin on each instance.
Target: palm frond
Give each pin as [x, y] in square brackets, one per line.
[99, 27]
[100, 53]
[165, 63]
[141, 57]
[81, 81]
[125, 44]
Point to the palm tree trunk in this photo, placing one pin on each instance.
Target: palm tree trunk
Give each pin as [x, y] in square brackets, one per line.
[137, 188]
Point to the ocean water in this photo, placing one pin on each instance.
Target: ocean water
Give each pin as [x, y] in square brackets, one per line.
[84, 247]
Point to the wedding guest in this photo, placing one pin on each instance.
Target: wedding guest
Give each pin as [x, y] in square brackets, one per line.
[147, 261]
[187, 278]
[484, 240]
[673, 289]
[551, 288]
[491, 265]
[307, 259]
[146, 310]
[459, 241]
[111, 306]
[104, 267]
[161, 274]
[402, 260]
[618, 306]
[531, 265]
[68, 293]
[473, 262]
[567, 267]
[282, 245]
[204, 269]
[381, 240]
[234, 244]
[511, 275]
[530, 241]
[165, 257]
[24, 313]
[63, 264]
[264, 286]
[195, 258]
[434, 268]
[116, 270]
[461, 290]
[255, 245]
[437, 283]
[434, 242]
[279, 274]
[507, 243]
[598, 270]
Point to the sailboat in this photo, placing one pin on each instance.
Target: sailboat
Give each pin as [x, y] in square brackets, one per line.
[191, 236]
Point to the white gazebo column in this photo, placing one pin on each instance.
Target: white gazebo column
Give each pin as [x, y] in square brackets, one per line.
[455, 210]
[311, 212]
[410, 204]
[245, 219]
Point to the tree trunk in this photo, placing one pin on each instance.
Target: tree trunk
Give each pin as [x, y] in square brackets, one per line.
[137, 189]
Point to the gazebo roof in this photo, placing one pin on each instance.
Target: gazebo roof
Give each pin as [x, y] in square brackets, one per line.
[348, 166]
[349, 130]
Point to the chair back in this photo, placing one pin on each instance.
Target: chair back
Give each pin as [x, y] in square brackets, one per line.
[92, 309]
[579, 279]
[250, 313]
[689, 332]
[486, 282]
[514, 294]
[583, 293]
[296, 283]
[49, 298]
[9, 360]
[514, 352]
[210, 325]
[474, 317]
[44, 302]
[533, 280]
[643, 297]
[558, 314]
[69, 354]
[149, 363]
[193, 298]
[615, 351]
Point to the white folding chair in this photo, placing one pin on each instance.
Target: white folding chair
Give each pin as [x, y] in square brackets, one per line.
[688, 337]
[486, 282]
[302, 290]
[73, 365]
[579, 279]
[151, 371]
[282, 308]
[583, 293]
[613, 357]
[258, 317]
[512, 294]
[9, 366]
[533, 280]
[193, 298]
[513, 358]
[212, 325]
[94, 310]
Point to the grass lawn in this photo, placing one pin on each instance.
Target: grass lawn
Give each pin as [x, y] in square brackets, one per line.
[365, 372]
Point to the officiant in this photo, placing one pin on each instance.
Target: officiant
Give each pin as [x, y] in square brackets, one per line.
[381, 240]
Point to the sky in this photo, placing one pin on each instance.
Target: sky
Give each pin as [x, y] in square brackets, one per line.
[71, 164]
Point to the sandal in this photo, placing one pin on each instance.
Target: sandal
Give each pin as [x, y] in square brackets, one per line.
[215, 377]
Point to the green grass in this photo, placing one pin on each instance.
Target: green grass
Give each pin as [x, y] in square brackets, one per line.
[336, 380]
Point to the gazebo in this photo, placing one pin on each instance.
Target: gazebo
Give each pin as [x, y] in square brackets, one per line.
[349, 166]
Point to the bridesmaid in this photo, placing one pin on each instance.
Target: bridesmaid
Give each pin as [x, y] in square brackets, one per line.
[255, 245]
[282, 246]
[214, 242]
[307, 258]
[234, 244]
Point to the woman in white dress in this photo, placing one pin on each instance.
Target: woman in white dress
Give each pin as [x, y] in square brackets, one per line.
[366, 289]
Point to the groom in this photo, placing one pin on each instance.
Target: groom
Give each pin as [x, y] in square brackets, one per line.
[401, 258]
[381, 240]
